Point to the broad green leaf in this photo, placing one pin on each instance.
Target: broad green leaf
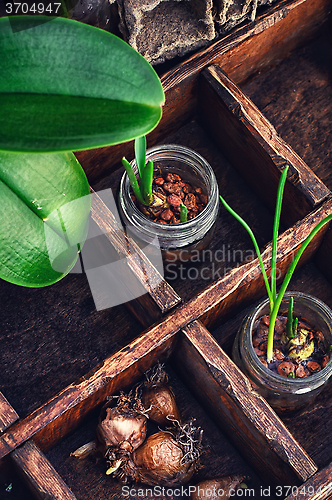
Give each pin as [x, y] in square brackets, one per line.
[44, 210]
[67, 86]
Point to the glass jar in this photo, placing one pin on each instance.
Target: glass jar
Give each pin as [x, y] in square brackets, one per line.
[176, 241]
[284, 394]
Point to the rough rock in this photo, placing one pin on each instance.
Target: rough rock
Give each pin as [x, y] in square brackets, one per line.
[230, 13]
[163, 29]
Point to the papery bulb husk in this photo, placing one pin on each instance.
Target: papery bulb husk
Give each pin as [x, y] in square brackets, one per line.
[160, 404]
[123, 427]
[158, 398]
[159, 462]
[165, 458]
[222, 487]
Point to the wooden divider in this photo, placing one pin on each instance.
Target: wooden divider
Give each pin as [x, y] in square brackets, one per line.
[254, 148]
[179, 331]
[36, 471]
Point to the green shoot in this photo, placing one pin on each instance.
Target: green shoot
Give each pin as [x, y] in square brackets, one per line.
[140, 154]
[251, 234]
[142, 189]
[133, 180]
[286, 281]
[274, 298]
[183, 213]
[146, 183]
[275, 235]
[291, 325]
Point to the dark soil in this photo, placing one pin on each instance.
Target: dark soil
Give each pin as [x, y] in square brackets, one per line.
[169, 193]
[299, 357]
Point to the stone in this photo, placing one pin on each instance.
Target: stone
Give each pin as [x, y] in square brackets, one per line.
[230, 13]
[163, 29]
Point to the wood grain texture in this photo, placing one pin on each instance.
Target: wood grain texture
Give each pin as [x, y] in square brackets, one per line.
[63, 413]
[318, 487]
[7, 413]
[245, 284]
[258, 433]
[66, 410]
[253, 146]
[42, 479]
[160, 293]
[258, 45]
[254, 47]
[244, 415]
[295, 96]
[35, 469]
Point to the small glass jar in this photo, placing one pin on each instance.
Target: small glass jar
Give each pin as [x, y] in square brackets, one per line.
[282, 393]
[176, 241]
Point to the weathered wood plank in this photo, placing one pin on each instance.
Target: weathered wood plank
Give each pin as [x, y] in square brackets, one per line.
[253, 146]
[63, 413]
[244, 415]
[160, 296]
[295, 96]
[40, 475]
[7, 413]
[258, 45]
[36, 470]
[245, 284]
[66, 410]
[318, 487]
[248, 49]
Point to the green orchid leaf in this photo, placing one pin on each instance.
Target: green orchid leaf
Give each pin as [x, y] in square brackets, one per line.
[67, 86]
[140, 154]
[45, 205]
[146, 183]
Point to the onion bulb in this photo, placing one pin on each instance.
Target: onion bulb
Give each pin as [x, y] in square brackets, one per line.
[165, 458]
[158, 398]
[223, 487]
[122, 427]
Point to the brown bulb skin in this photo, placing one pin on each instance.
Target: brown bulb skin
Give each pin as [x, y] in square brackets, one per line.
[160, 404]
[122, 431]
[158, 461]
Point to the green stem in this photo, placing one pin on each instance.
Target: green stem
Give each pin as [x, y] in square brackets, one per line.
[251, 234]
[285, 284]
[132, 180]
[146, 183]
[140, 154]
[183, 213]
[289, 324]
[275, 233]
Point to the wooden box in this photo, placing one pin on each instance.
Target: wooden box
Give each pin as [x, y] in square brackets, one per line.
[254, 101]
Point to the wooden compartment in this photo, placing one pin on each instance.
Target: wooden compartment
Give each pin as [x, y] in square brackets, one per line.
[61, 357]
[87, 477]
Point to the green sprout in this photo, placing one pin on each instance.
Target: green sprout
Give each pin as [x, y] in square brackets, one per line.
[274, 298]
[291, 325]
[141, 184]
[142, 187]
[183, 213]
